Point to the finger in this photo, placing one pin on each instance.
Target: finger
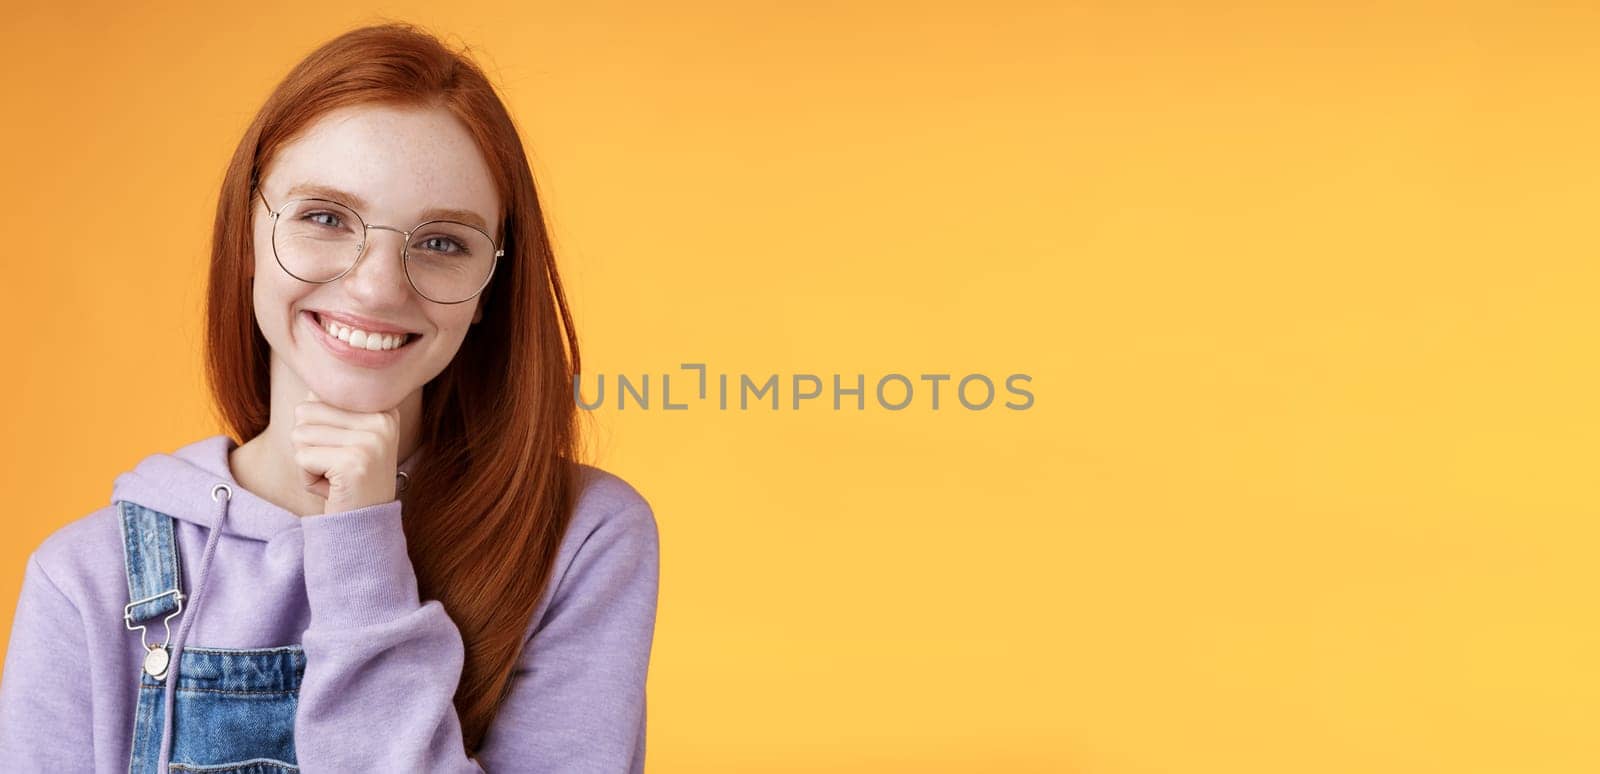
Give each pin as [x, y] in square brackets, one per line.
[313, 412]
[312, 467]
[368, 444]
[305, 434]
[331, 452]
[320, 464]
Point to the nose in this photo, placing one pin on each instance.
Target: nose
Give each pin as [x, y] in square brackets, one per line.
[379, 276]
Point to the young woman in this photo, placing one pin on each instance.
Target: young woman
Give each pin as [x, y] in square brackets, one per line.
[404, 568]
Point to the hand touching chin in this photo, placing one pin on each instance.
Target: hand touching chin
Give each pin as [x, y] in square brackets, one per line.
[348, 458]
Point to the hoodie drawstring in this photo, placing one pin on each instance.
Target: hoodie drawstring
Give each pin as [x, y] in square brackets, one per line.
[168, 699]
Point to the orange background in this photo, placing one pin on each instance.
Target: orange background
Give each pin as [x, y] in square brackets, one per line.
[1306, 296]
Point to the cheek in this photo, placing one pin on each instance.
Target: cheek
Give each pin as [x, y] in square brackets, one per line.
[264, 263]
[452, 332]
[272, 297]
[454, 323]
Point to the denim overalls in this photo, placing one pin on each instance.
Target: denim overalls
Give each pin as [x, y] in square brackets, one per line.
[234, 707]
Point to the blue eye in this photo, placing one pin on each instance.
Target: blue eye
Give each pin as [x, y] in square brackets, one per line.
[337, 220]
[433, 242]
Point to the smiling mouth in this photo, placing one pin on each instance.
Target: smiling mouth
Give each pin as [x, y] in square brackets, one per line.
[358, 339]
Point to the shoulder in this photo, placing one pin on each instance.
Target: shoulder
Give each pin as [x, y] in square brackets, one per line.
[609, 559]
[611, 549]
[607, 502]
[83, 558]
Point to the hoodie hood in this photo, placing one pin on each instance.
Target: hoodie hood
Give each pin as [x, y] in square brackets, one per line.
[186, 485]
[180, 485]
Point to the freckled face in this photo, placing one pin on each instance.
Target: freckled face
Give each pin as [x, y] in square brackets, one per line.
[400, 162]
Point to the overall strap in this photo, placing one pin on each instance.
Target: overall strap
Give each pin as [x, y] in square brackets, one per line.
[150, 555]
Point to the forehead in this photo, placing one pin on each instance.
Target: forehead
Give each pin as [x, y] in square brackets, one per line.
[399, 161]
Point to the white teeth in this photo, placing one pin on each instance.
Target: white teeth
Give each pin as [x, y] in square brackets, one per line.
[362, 340]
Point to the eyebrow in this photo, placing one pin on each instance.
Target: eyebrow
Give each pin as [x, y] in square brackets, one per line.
[319, 191]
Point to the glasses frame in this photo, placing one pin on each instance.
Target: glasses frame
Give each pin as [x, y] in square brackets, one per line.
[361, 252]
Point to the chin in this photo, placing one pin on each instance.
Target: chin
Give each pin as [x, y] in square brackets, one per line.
[365, 395]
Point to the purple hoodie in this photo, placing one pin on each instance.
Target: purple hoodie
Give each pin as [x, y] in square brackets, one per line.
[381, 666]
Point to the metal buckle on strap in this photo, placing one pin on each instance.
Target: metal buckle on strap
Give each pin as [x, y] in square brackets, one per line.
[156, 660]
[127, 610]
[156, 656]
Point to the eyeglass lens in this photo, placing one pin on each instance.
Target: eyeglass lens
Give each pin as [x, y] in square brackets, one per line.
[317, 241]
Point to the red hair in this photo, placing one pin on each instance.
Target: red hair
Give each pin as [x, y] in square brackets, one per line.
[487, 508]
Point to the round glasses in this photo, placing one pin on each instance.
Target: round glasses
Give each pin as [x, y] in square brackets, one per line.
[319, 241]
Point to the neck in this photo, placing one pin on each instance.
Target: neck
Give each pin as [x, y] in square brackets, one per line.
[265, 464]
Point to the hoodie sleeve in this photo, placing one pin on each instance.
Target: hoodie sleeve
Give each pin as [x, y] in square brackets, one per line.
[46, 723]
[577, 696]
[378, 657]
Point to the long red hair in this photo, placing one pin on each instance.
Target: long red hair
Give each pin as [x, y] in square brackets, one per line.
[487, 507]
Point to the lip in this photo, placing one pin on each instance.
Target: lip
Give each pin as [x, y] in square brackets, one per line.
[364, 358]
[357, 321]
